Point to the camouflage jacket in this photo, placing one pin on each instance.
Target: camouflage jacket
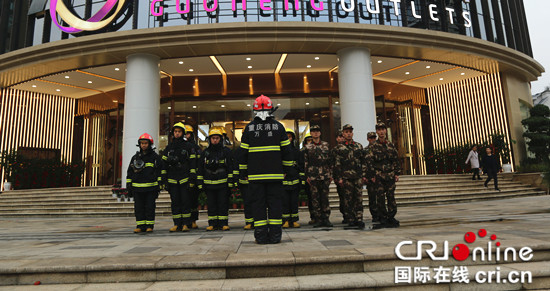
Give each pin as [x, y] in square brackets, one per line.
[349, 161]
[382, 161]
[317, 161]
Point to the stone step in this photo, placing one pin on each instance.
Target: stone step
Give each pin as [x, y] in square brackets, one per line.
[375, 269]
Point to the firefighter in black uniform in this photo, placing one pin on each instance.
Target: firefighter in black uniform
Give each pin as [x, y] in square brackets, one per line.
[215, 175]
[142, 179]
[292, 184]
[193, 188]
[180, 168]
[243, 187]
[265, 160]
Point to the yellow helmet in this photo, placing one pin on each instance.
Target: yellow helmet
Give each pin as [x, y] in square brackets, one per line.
[223, 129]
[215, 131]
[307, 135]
[288, 130]
[180, 125]
[188, 128]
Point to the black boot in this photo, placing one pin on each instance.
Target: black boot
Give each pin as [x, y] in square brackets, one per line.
[275, 234]
[261, 235]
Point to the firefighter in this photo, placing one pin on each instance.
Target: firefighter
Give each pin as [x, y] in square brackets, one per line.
[243, 187]
[142, 179]
[215, 175]
[193, 188]
[180, 168]
[292, 184]
[264, 162]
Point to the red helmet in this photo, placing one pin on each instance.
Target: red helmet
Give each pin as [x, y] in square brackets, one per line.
[263, 103]
[146, 136]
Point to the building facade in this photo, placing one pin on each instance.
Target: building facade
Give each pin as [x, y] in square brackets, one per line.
[97, 74]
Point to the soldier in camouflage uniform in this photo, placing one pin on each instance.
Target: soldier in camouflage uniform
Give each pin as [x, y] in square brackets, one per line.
[340, 140]
[383, 168]
[349, 171]
[317, 162]
[371, 137]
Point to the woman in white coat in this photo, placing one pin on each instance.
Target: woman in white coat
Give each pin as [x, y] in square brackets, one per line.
[473, 158]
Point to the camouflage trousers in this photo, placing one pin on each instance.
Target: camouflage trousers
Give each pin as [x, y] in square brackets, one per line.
[319, 199]
[341, 199]
[353, 199]
[385, 190]
[372, 201]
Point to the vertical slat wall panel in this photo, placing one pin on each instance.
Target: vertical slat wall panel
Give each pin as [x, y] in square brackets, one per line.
[467, 111]
[29, 119]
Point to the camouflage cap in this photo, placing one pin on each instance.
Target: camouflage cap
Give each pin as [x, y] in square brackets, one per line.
[380, 125]
[315, 128]
[371, 134]
[339, 133]
[347, 126]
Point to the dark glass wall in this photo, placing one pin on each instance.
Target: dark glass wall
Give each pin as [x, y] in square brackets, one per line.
[27, 22]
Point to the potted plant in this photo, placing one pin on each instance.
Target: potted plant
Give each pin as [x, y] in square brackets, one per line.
[202, 200]
[8, 162]
[502, 150]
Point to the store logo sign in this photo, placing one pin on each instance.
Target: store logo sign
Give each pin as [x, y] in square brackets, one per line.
[97, 21]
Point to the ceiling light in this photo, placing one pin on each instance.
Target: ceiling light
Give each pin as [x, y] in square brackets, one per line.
[250, 67]
[316, 58]
[462, 74]
[34, 86]
[194, 106]
[407, 73]
[189, 117]
[308, 66]
[389, 93]
[191, 70]
[67, 77]
[117, 69]
[279, 104]
[336, 102]
[180, 62]
[223, 106]
[248, 59]
[58, 90]
[115, 101]
[427, 67]
[90, 82]
[248, 105]
[379, 61]
[440, 79]
[307, 103]
[194, 87]
[169, 107]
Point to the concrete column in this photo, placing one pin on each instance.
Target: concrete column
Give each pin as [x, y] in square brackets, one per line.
[141, 104]
[357, 105]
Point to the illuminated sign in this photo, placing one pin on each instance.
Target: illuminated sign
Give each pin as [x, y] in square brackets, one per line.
[97, 21]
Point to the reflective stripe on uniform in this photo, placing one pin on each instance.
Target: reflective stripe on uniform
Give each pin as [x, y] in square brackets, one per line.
[212, 217]
[243, 167]
[260, 223]
[164, 172]
[193, 171]
[288, 163]
[176, 215]
[244, 182]
[266, 177]
[286, 215]
[172, 181]
[184, 180]
[275, 221]
[265, 149]
[149, 164]
[143, 185]
[223, 217]
[249, 220]
[215, 182]
[186, 215]
[192, 156]
[285, 143]
[200, 177]
[165, 158]
[245, 145]
[230, 185]
[141, 222]
[294, 215]
[291, 183]
[150, 222]
[159, 179]
[128, 180]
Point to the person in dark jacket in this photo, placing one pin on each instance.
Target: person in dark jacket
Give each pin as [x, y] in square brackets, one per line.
[243, 187]
[180, 168]
[193, 188]
[491, 166]
[292, 184]
[142, 180]
[215, 175]
[264, 163]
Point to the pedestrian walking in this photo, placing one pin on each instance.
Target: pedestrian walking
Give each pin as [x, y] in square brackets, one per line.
[473, 159]
[491, 166]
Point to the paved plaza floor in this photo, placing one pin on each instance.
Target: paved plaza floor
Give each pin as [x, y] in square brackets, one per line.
[67, 241]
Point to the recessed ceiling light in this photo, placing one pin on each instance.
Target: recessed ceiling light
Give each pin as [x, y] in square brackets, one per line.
[427, 67]
[440, 79]
[308, 66]
[379, 61]
[316, 58]
[191, 70]
[462, 74]
[117, 69]
[336, 102]
[115, 101]
[389, 93]
[250, 67]
[90, 82]
[248, 59]
[180, 62]
[67, 77]
[194, 87]
[169, 107]
[223, 106]
[407, 73]
[34, 86]
[279, 104]
[58, 90]
[248, 105]
[194, 106]
[189, 117]
[307, 103]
